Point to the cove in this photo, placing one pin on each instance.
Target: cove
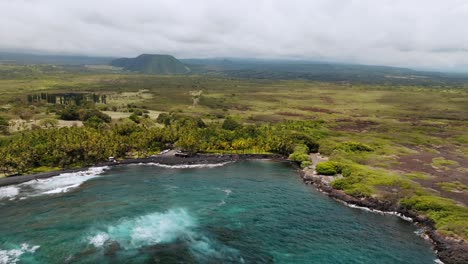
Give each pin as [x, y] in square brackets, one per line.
[243, 212]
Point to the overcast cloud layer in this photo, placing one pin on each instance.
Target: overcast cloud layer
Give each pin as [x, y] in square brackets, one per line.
[414, 33]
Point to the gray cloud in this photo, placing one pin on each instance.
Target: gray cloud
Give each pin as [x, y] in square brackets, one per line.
[413, 33]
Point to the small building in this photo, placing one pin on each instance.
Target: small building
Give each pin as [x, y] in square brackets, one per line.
[111, 159]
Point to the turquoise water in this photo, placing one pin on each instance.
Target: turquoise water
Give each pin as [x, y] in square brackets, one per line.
[245, 212]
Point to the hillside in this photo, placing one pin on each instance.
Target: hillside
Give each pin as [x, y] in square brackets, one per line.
[152, 64]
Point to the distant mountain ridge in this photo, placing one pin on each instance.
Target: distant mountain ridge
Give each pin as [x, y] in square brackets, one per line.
[250, 68]
[152, 64]
[26, 58]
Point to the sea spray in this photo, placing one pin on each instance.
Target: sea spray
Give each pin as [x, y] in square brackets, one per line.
[146, 230]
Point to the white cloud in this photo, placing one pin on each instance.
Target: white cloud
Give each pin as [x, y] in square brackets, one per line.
[415, 33]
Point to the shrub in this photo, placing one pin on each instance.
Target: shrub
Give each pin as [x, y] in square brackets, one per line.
[328, 168]
[299, 157]
[164, 118]
[86, 114]
[428, 203]
[230, 124]
[138, 112]
[135, 118]
[351, 146]
[70, 113]
[306, 163]
[94, 122]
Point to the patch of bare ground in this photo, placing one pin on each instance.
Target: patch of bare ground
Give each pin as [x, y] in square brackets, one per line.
[351, 125]
[19, 125]
[423, 161]
[317, 110]
[327, 99]
[241, 107]
[288, 114]
[264, 118]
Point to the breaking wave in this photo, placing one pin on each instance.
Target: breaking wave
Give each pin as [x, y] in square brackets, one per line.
[147, 230]
[172, 226]
[58, 184]
[403, 217]
[13, 255]
[8, 192]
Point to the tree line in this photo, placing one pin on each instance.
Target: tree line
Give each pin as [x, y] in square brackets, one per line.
[79, 146]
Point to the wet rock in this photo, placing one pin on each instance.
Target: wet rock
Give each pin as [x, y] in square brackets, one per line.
[177, 252]
[111, 248]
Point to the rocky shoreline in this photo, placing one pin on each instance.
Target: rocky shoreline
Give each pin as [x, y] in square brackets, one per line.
[171, 160]
[449, 250]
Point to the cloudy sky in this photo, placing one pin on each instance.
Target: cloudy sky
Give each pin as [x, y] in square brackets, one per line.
[414, 33]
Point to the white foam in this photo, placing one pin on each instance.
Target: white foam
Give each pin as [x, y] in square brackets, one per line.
[62, 183]
[438, 261]
[99, 239]
[186, 166]
[162, 228]
[147, 230]
[13, 255]
[171, 187]
[8, 192]
[205, 249]
[203, 246]
[377, 211]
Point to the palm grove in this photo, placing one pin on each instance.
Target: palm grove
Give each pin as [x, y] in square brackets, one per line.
[139, 137]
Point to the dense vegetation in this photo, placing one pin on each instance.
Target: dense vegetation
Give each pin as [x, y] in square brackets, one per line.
[78, 146]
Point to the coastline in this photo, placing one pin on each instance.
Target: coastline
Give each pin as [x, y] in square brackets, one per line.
[170, 160]
[447, 249]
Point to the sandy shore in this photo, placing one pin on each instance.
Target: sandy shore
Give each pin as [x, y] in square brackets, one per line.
[162, 159]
